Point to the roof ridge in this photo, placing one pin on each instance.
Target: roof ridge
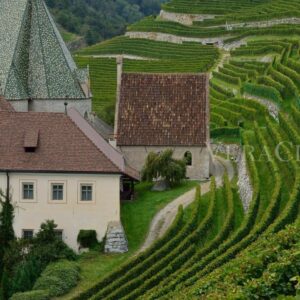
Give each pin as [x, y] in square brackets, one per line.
[75, 117]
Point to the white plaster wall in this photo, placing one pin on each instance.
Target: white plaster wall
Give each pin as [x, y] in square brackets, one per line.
[71, 216]
[136, 157]
[19, 105]
[82, 106]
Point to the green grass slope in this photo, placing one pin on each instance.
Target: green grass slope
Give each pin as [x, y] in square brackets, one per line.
[254, 95]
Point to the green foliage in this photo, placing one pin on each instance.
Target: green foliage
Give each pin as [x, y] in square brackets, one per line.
[163, 165]
[265, 270]
[58, 278]
[25, 260]
[87, 238]
[263, 91]
[225, 131]
[98, 20]
[31, 295]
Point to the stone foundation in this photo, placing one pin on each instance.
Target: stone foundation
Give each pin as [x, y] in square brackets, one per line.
[116, 241]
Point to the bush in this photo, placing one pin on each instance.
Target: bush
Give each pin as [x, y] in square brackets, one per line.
[225, 131]
[32, 295]
[58, 278]
[87, 238]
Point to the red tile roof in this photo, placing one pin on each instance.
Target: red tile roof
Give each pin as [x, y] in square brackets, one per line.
[163, 110]
[65, 144]
[5, 105]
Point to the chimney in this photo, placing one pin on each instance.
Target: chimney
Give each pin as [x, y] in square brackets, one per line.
[119, 82]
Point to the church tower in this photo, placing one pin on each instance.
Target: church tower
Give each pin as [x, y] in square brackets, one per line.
[37, 71]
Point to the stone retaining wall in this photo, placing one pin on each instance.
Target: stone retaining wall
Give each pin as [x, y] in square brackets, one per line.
[244, 182]
[165, 37]
[185, 19]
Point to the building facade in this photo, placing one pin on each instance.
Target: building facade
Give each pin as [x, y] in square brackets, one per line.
[57, 167]
[156, 112]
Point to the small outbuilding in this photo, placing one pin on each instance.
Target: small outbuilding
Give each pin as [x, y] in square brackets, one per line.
[156, 112]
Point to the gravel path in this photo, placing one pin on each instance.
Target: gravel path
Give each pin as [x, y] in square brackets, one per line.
[164, 218]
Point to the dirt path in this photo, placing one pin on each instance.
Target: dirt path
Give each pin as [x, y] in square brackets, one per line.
[166, 216]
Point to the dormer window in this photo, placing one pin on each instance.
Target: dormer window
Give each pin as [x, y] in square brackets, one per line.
[31, 140]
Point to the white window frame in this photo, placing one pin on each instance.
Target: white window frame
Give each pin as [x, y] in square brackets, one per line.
[24, 182]
[89, 183]
[50, 194]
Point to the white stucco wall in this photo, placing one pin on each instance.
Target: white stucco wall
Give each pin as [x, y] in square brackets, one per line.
[82, 106]
[70, 216]
[19, 105]
[200, 169]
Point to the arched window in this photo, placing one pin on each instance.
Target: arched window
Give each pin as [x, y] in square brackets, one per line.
[188, 158]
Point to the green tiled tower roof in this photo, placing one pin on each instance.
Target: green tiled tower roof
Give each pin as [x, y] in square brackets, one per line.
[34, 60]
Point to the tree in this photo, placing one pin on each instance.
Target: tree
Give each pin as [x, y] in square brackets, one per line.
[163, 166]
[6, 226]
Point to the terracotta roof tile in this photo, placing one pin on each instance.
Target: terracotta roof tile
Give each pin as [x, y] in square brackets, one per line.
[163, 110]
[5, 105]
[63, 145]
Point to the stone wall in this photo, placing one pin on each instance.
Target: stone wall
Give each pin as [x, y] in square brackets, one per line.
[244, 183]
[165, 37]
[234, 152]
[115, 241]
[185, 19]
[201, 158]
[263, 24]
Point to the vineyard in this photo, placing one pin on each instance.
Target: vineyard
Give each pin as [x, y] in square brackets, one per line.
[218, 252]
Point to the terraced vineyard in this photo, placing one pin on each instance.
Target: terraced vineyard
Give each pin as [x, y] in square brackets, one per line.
[254, 94]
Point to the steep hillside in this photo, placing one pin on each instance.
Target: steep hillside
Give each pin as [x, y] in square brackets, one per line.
[102, 19]
[254, 60]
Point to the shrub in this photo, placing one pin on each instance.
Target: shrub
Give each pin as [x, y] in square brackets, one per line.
[32, 295]
[87, 238]
[225, 131]
[58, 278]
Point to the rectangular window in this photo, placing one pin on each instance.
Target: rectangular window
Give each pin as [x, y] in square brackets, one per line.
[28, 191]
[86, 192]
[59, 234]
[57, 192]
[27, 234]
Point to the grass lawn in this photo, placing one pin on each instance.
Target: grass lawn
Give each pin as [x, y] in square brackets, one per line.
[136, 217]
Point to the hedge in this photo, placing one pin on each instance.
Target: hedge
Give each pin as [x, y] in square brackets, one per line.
[223, 90]
[164, 286]
[174, 256]
[262, 91]
[229, 72]
[142, 262]
[290, 87]
[225, 132]
[227, 78]
[225, 247]
[266, 80]
[58, 278]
